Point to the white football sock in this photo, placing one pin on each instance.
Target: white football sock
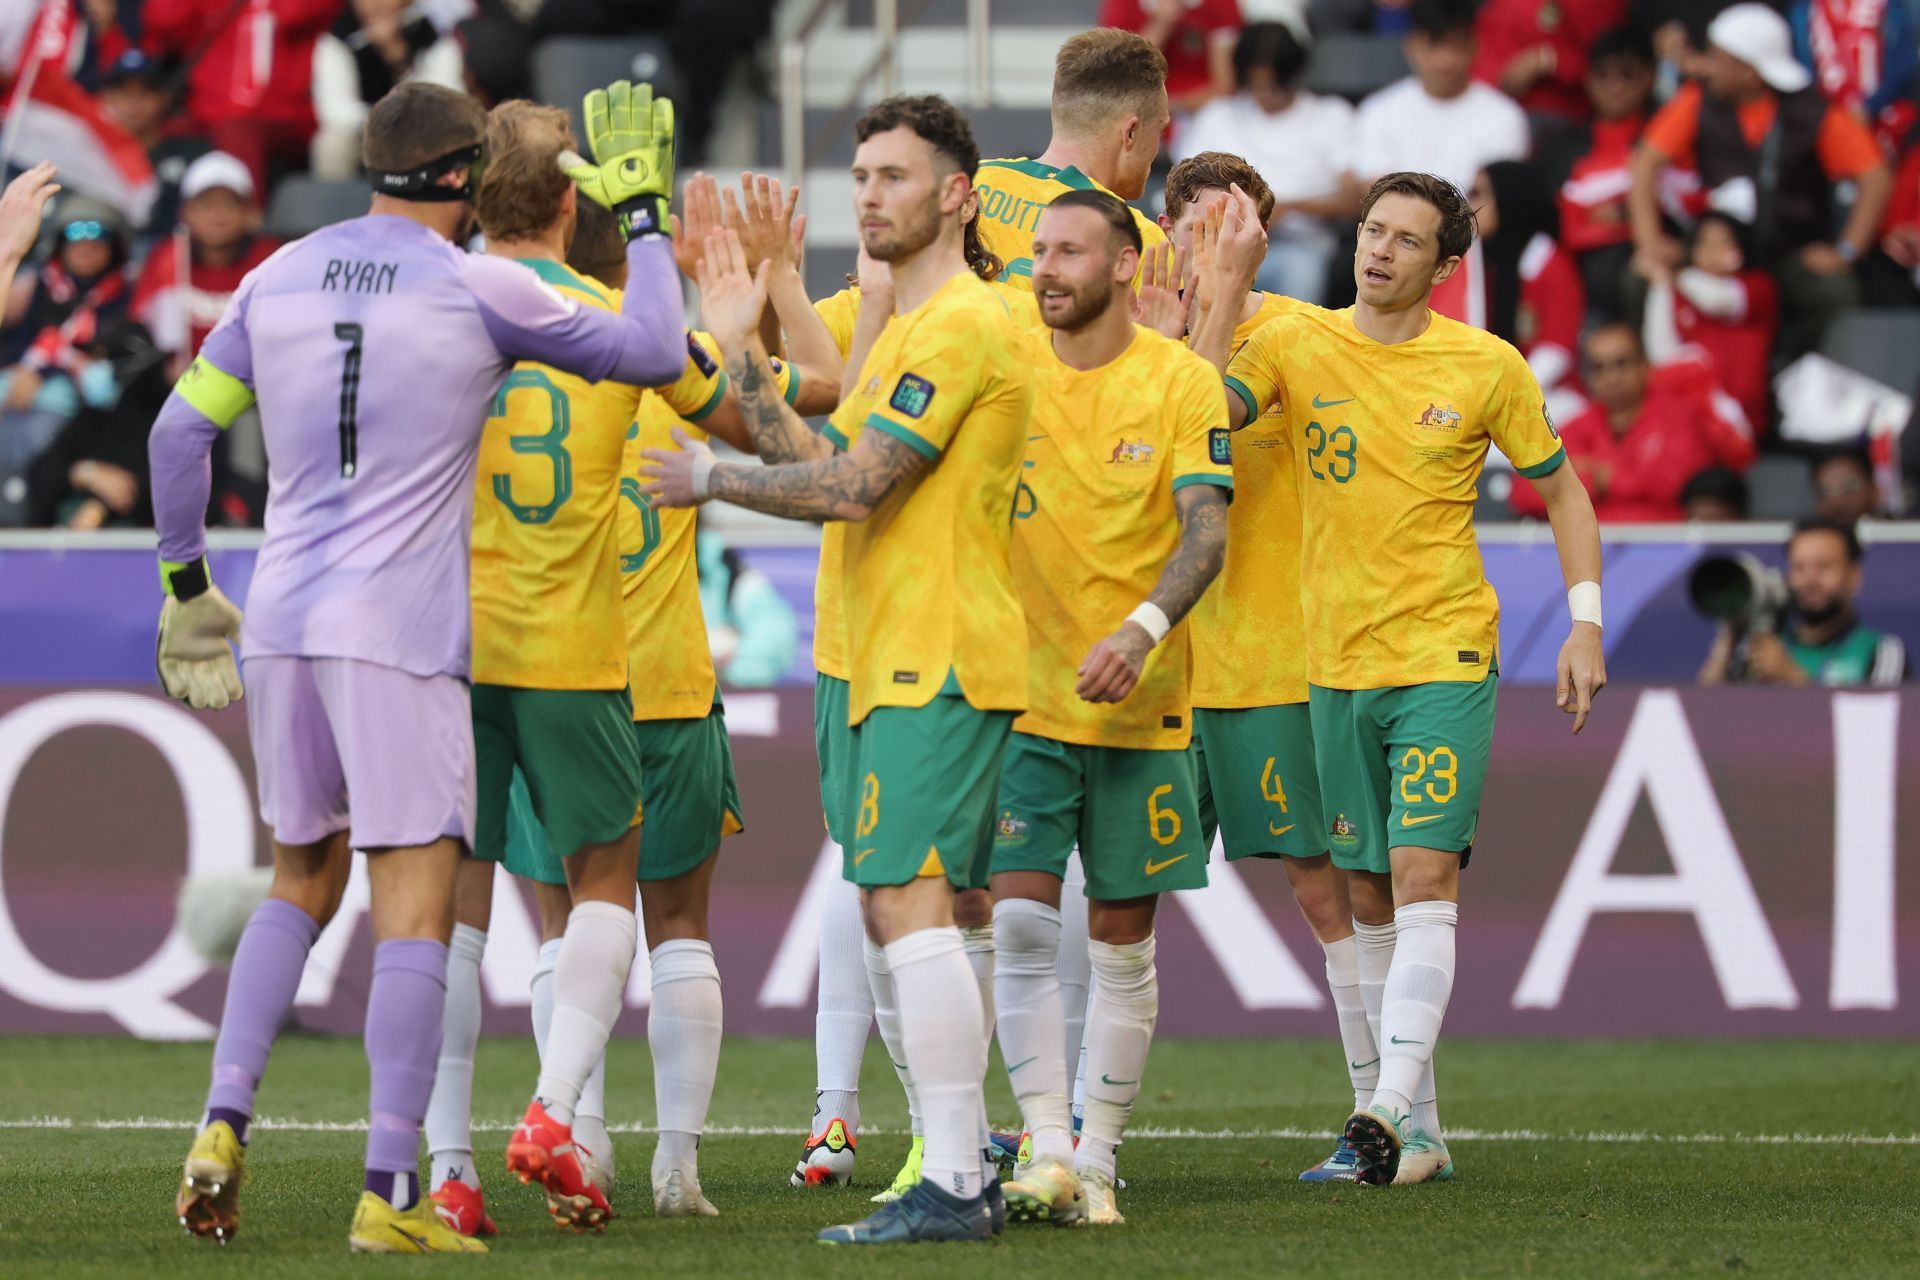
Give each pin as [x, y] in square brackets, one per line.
[449, 1126]
[1073, 966]
[941, 1027]
[541, 993]
[1032, 1030]
[1415, 1001]
[1373, 949]
[1343, 982]
[844, 1011]
[886, 1016]
[1126, 1004]
[1426, 1107]
[683, 1030]
[590, 1116]
[589, 981]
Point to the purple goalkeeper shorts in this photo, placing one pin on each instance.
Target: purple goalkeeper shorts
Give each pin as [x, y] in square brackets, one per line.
[345, 745]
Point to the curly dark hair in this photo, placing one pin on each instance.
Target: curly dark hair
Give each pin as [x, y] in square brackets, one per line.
[1456, 215]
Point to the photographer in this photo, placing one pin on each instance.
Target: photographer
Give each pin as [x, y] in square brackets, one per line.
[1815, 637]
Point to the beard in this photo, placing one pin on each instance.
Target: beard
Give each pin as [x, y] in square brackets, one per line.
[1085, 306]
[1819, 615]
[905, 239]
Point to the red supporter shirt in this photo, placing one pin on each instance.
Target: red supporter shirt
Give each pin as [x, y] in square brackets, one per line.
[1201, 23]
[1737, 346]
[258, 55]
[1637, 477]
[1593, 199]
[176, 310]
[1509, 27]
[1553, 300]
[1903, 210]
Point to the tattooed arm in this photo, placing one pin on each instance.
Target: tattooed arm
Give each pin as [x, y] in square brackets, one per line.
[779, 434]
[846, 486]
[1113, 667]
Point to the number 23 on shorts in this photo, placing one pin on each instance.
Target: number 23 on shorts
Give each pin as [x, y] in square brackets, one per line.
[1427, 777]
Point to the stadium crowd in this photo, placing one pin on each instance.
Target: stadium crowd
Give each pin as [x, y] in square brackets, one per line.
[1677, 201]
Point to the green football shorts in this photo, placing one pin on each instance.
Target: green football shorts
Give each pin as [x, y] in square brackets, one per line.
[689, 796]
[1402, 766]
[922, 804]
[1133, 813]
[1259, 787]
[833, 743]
[575, 748]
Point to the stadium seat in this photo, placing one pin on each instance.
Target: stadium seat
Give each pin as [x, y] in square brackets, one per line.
[1353, 66]
[1780, 487]
[303, 203]
[565, 68]
[1879, 343]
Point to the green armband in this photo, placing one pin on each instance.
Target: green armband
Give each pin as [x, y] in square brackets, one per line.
[185, 581]
[214, 392]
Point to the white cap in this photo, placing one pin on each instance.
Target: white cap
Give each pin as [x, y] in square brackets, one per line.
[1759, 37]
[217, 169]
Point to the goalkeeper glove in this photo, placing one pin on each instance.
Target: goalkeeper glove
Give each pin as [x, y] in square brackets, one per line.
[195, 660]
[631, 135]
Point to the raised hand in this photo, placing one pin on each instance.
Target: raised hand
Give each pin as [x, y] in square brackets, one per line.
[764, 220]
[26, 196]
[630, 133]
[1163, 308]
[701, 201]
[731, 296]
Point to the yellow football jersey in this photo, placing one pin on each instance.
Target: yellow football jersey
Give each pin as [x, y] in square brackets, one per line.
[1096, 521]
[546, 570]
[840, 313]
[1249, 649]
[1389, 441]
[659, 572]
[928, 588]
[1012, 195]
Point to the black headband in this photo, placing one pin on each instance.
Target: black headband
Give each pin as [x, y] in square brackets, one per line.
[424, 184]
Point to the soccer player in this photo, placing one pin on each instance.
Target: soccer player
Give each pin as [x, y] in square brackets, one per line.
[1120, 526]
[374, 349]
[1109, 111]
[1390, 409]
[1252, 735]
[922, 461]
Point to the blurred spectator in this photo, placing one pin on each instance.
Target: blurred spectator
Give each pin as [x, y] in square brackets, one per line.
[1537, 50]
[1890, 277]
[1439, 119]
[1864, 58]
[94, 473]
[1197, 37]
[1769, 148]
[1590, 165]
[1298, 142]
[1648, 433]
[138, 95]
[52, 323]
[190, 276]
[249, 73]
[1844, 488]
[1823, 641]
[1717, 495]
[375, 45]
[750, 626]
[496, 68]
[1535, 299]
[111, 28]
[1380, 17]
[1720, 310]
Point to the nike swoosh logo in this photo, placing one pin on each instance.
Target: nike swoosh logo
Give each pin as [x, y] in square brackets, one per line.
[1398, 1040]
[1016, 1066]
[1039, 437]
[1107, 1079]
[1408, 820]
[1155, 868]
[861, 856]
[1362, 1066]
[1318, 403]
[1280, 831]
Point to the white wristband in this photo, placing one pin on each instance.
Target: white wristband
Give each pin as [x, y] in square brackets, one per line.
[1152, 619]
[1583, 602]
[703, 464]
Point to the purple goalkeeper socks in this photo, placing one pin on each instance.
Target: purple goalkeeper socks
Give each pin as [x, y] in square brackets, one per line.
[260, 990]
[404, 1008]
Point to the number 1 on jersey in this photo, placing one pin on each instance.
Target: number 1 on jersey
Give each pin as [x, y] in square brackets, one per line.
[351, 334]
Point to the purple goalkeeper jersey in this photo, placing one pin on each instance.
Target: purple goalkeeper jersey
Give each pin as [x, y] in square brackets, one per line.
[374, 349]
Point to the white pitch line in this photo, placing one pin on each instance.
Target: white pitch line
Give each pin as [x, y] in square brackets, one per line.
[1148, 1133]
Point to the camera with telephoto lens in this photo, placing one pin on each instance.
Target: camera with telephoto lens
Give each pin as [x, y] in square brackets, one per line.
[1740, 591]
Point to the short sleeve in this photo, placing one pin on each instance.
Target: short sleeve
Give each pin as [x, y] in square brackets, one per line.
[702, 383]
[1519, 422]
[1846, 146]
[840, 313]
[1202, 440]
[1254, 373]
[1674, 127]
[927, 392]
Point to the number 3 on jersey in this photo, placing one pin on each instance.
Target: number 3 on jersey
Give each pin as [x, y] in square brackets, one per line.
[550, 444]
[1337, 447]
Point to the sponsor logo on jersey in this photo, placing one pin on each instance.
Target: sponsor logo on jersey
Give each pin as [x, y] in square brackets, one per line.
[1437, 419]
[1130, 453]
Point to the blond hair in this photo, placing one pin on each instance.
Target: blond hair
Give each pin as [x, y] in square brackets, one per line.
[1104, 75]
[523, 188]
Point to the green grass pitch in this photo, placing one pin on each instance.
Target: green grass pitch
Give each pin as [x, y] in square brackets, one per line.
[1591, 1159]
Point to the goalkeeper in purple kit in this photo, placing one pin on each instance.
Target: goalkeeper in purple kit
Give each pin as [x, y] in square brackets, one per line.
[374, 349]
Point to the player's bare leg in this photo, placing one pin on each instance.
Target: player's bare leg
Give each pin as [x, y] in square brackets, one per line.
[1320, 891]
[308, 882]
[590, 978]
[454, 1176]
[1426, 887]
[683, 1031]
[1120, 1022]
[842, 1018]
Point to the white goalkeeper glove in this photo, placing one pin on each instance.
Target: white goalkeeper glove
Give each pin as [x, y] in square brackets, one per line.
[196, 624]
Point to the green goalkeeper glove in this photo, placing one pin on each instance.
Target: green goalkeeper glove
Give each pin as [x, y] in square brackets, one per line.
[631, 135]
[193, 654]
